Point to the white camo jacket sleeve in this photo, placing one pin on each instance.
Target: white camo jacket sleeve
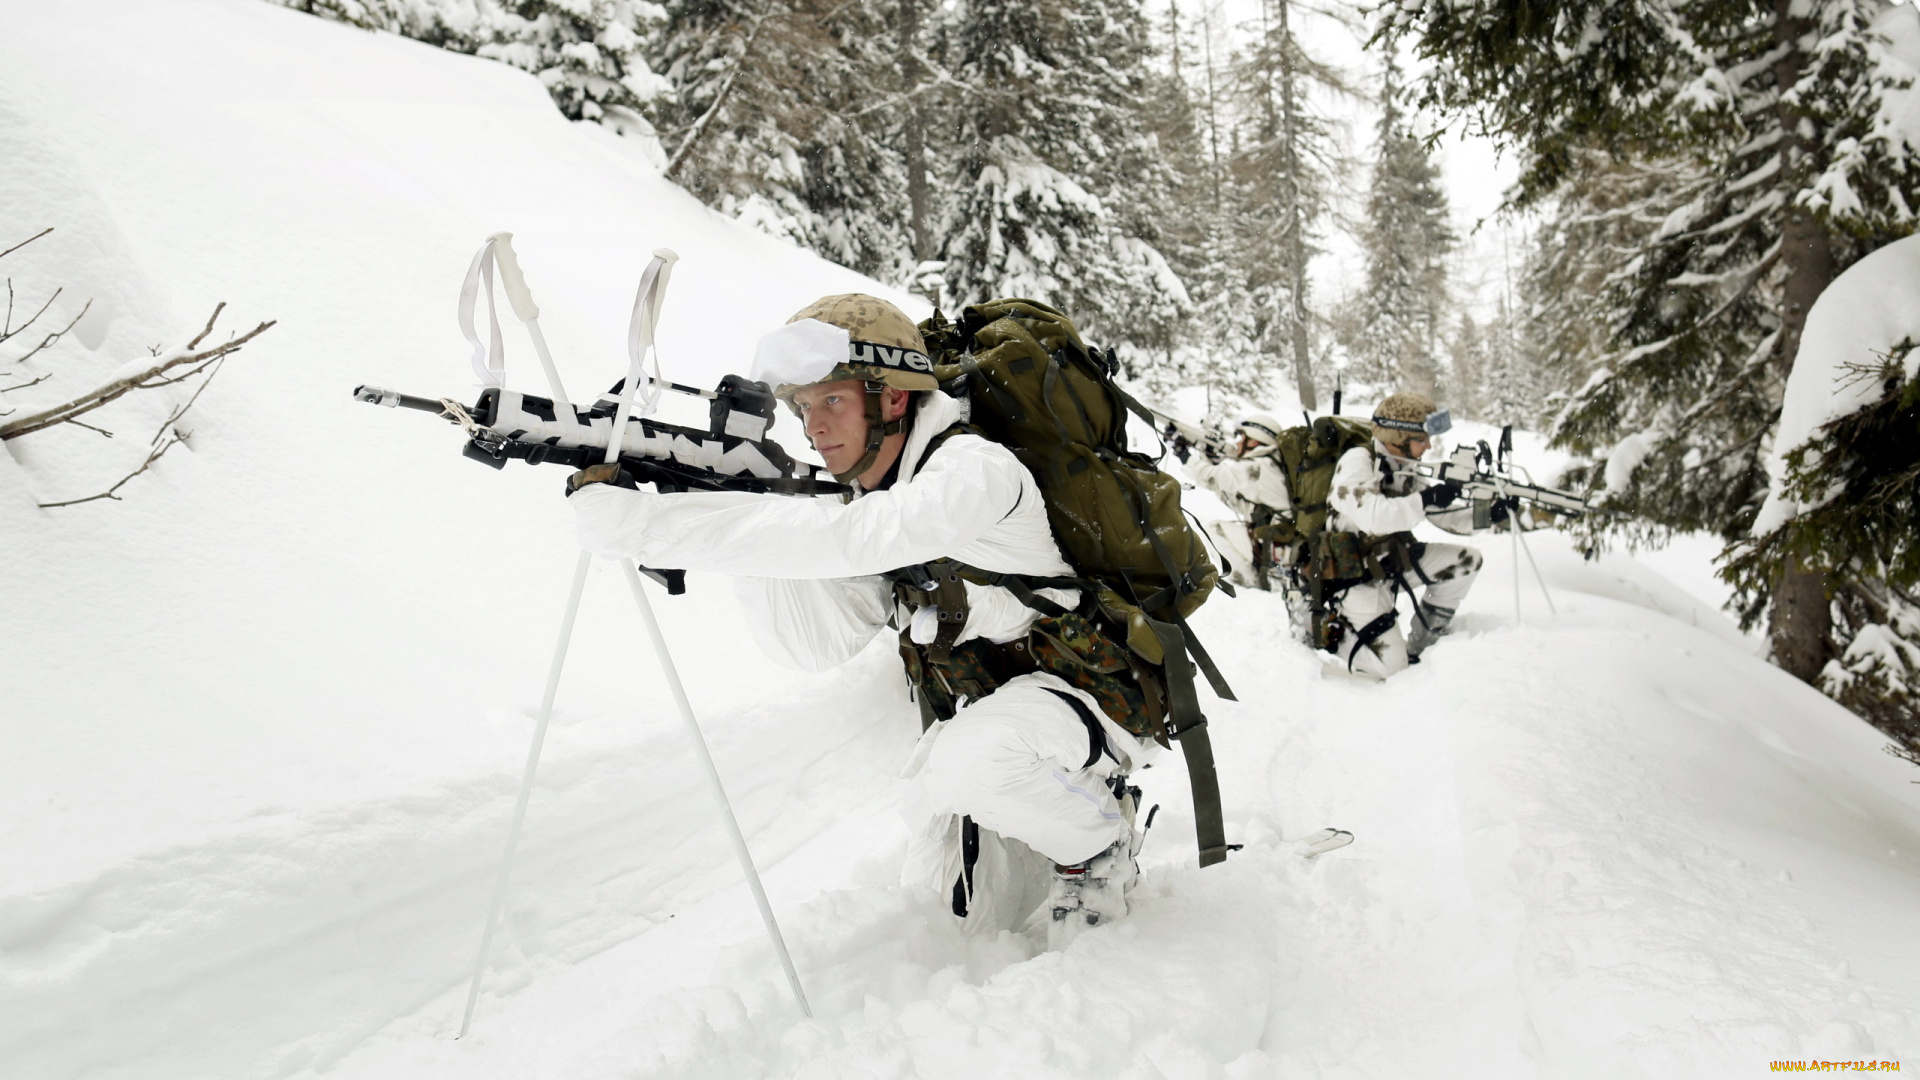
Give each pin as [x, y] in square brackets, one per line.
[963, 492]
[1256, 480]
[1357, 497]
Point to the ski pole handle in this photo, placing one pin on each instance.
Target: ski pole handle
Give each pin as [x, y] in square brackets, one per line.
[510, 276]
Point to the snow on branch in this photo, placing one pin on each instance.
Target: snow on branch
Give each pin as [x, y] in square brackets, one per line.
[163, 370]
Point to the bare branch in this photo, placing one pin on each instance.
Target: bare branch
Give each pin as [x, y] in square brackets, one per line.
[148, 378]
[9, 330]
[52, 335]
[156, 455]
[24, 385]
[24, 243]
[208, 329]
[164, 439]
[90, 427]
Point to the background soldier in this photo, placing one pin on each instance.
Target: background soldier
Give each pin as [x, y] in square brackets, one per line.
[1378, 498]
[1252, 483]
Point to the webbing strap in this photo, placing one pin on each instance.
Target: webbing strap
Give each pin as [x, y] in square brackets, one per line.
[1096, 735]
[1371, 633]
[1186, 724]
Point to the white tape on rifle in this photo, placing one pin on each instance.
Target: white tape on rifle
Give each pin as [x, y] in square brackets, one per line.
[490, 359]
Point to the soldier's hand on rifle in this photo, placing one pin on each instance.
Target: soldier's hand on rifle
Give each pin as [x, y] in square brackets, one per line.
[1182, 449]
[1439, 496]
[605, 473]
[1503, 509]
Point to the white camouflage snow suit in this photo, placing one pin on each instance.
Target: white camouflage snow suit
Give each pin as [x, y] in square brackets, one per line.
[1253, 486]
[808, 571]
[1376, 494]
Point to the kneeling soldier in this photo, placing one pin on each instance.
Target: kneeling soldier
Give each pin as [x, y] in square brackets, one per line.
[1028, 761]
[1378, 497]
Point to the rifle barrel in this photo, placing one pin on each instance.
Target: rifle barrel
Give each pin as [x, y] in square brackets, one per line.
[375, 395]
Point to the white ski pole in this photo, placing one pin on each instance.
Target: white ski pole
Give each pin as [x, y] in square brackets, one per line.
[646, 317]
[500, 247]
[522, 300]
[1537, 575]
[526, 787]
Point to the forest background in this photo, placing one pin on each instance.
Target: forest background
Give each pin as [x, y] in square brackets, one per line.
[1244, 198]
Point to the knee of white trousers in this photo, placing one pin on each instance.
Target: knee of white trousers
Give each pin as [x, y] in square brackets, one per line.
[1387, 655]
[1016, 762]
[1450, 568]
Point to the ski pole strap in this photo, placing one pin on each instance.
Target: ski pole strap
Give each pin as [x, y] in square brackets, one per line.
[489, 359]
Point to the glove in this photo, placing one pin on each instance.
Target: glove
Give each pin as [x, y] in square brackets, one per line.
[1503, 509]
[1182, 449]
[1439, 496]
[605, 473]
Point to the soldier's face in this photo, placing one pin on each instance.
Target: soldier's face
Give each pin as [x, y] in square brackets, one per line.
[835, 415]
[1416, 447]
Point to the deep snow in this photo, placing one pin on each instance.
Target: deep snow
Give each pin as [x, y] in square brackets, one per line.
[264, 719]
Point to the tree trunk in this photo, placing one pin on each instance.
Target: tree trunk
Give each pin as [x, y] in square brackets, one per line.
[1800, 626]
[915, 132]
[1296, 243]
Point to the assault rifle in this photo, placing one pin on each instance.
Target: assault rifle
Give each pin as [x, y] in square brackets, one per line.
[1485, 479]
[1176, 433]
[733, 454]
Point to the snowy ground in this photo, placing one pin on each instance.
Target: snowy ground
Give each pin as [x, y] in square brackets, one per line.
[263, 720]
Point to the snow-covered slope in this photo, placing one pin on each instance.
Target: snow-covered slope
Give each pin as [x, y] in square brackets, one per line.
[262, 721]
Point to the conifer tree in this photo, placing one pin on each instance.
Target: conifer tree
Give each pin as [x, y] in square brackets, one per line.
[769, 121]
[1055, 169]
[1784, 107]
[589, 54]
[1401, 315]
[1277, 190]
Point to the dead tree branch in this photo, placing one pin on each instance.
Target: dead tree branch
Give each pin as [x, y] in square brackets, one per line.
[173, 439]
[24, 243]
[147, 378]
[164, 439]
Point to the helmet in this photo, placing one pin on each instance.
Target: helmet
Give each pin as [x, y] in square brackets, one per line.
[1261, 428]
[842, 337]
[1407, 414]
[848, 336]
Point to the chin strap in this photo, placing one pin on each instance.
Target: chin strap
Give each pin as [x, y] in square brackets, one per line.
[877, 432]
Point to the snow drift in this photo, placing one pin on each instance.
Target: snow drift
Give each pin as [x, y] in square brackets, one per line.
[263, 720]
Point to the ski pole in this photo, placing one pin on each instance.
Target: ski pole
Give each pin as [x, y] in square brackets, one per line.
[646, 317]
[522, 300]
[526, 787]
[719, 789]
[1537, 575]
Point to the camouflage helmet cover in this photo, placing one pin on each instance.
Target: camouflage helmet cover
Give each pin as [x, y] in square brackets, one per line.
[1407, 414]
[846, 336]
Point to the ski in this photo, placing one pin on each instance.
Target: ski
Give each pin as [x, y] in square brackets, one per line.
[1322, 842]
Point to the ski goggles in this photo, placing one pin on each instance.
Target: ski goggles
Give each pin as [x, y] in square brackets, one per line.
[1438, 422]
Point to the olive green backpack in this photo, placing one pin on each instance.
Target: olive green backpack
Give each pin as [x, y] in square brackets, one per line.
[1308, 454]
[1035, 387]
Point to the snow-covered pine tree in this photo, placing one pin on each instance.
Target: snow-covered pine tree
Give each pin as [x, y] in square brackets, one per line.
[1054, 166]
[1575, 278]
[589, 54]
[1860, 479]
[1399, 319]
[1279, 178]
[1784, 105]
[1179, 216]
[781, 114]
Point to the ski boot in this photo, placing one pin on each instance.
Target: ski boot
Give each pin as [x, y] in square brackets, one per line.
[1093, 892]
[1429, 625]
